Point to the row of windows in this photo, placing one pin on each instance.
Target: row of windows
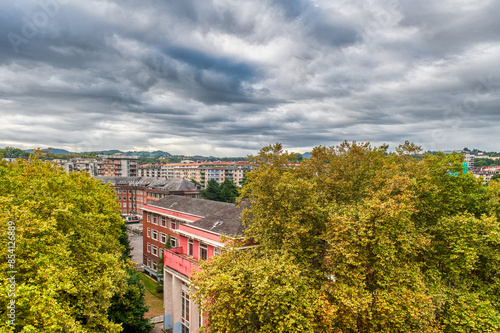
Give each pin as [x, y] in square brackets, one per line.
[162, 237]
[163, 221]
[156, 195]
[153, 234]
[153, 249]
[125, 198]
[203, 248]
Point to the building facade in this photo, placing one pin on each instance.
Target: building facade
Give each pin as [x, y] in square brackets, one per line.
[486, 172]
[192, 228]
[117, 165]
[132, 193]
[200, 172]
[80, 164]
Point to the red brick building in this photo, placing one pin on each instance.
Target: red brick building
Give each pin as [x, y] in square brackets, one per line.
[132, 193]
[194, 228]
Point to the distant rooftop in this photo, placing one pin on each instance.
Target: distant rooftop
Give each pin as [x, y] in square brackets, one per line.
[172, 184]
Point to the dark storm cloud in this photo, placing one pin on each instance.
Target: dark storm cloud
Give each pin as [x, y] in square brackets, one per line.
[228, 77]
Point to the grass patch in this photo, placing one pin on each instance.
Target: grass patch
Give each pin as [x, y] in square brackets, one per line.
[155, 305]
[150, 284]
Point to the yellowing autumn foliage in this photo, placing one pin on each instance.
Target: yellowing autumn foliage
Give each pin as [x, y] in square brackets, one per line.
[359, 239]
[66, 261]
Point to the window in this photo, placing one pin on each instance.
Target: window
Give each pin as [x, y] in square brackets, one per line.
[163, 238]
[203, 252]
[217, 251]
[173, 242]
[119, 191]
[173, 225]
[184, 308]
[149, 263]
[163, 221]
[155, 265]
[155, 220]
[149, 217]
[149, 248]
[190, 247]
[154, 250]
[155, 235]
[149, 233]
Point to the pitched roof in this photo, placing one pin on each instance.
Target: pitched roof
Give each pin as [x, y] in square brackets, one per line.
[218, 217]
[172, 184]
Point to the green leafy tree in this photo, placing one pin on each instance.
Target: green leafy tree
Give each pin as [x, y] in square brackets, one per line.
[495, 177]
[228, 191]
[258, 293]
[125, 242]
[67, 256]
[296, 157]
[159, 267]
[486, 162]
[211, 191]
[388, 241]
[128, 305]
[225, 192]
[12, 152]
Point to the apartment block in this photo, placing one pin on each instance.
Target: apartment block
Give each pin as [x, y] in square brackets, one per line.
[117, 165]
[193, 228]
[80, 164]
[200, 172]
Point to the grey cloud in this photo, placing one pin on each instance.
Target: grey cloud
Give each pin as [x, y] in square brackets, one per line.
[127, 74]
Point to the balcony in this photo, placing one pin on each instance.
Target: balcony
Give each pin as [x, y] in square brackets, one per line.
[175, 259]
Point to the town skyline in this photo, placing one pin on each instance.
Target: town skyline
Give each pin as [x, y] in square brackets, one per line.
[159, 153]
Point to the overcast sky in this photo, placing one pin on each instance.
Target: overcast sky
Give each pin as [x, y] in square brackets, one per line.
[227, 77]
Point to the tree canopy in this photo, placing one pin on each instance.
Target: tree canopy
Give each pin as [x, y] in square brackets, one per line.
[495, 177]
[486, 162]
[225, 192]
[359, 239]
[12, 152]
[69, 266]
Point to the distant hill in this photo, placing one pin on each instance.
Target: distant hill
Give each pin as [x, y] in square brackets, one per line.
[54, 151]
[162, 153]
[306, 155]
[60, 151]
[147, 153]
[109, 152]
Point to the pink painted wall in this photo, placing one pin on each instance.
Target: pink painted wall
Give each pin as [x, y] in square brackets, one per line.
[199, 232]
[178, 263]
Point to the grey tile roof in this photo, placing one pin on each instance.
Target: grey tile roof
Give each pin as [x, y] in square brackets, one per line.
[173, 184]
[218, 217]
